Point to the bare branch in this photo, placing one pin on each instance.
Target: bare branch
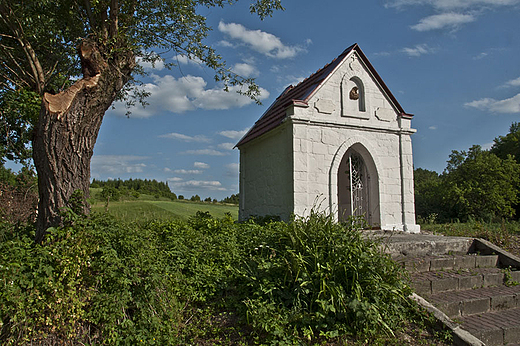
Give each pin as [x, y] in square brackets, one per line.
[17, 30]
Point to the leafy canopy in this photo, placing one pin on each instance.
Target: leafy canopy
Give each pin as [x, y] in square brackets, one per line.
[39, 40]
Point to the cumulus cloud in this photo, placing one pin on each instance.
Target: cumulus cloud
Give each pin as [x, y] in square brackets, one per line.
[226, 146]
[117, 164]
[513, 82]
[260, 41]
[232, 134]
[433, 127]
[418, 50]
[245, 70]
[510, 105]
[451, 14]
[200, 165]
[185, 60]
[149, 66]
[186, 138]
[452, 4]
[175, 179]
[187, 171]
[200, 184]
[210, 152]
[188, 93]
[444, 20]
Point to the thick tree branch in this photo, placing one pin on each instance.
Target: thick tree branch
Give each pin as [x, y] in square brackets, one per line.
[114, 14]
[91, 18]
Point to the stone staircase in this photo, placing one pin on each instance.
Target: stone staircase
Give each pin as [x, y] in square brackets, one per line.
[471, 290]
[476, 290]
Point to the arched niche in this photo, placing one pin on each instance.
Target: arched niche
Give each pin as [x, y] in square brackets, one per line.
[353, 96]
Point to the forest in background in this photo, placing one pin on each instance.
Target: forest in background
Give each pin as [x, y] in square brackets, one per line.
[477, 184]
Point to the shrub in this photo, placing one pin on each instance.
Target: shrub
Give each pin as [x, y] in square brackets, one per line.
[312, 277]
[96, 280]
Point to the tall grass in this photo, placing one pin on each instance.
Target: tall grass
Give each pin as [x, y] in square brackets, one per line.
[503, 234]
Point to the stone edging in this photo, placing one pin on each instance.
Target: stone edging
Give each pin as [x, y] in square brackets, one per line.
[460, 336]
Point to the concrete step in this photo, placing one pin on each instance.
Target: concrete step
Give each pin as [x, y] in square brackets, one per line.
[415, 245]
[494, 328]
[440, 262]
[457, 304]
[433, 282]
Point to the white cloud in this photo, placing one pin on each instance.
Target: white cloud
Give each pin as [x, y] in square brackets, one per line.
[226, 146]
[418, 50]
[175, 179]
[480, 56]
[232, 134]
[260, 41]
[187, 171]
[188, 93]
[185, 60]
[287, 80]
[433, 127]
[444, 20]
[245, 70]
[117, 164]
[451, 14]
[452, 4]
[513, 82]
[226, 44]
[147, 65]
[200, 165]
[510, 105]
[186, 138]
[200, 184]
[210, 152]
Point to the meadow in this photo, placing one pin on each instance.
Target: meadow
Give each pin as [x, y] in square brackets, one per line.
[148, 208]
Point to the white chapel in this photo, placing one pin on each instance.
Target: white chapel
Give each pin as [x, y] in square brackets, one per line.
[338, 142]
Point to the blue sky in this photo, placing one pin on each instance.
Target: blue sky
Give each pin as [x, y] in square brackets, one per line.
[454, 64]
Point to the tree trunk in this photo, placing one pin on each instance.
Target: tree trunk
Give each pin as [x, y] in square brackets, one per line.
[67, 130]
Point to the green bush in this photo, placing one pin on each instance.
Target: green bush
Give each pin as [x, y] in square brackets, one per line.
[314, 278]
[205, 280]
[97, 279]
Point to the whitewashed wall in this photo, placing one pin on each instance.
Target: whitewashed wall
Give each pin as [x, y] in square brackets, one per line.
[266, 185]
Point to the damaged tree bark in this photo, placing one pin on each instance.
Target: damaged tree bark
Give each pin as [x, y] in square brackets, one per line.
[67, 130]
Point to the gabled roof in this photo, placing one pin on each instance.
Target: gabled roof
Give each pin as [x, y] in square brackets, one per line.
[301, 93]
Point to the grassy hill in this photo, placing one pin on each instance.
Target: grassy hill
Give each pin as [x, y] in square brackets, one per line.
[148, 207]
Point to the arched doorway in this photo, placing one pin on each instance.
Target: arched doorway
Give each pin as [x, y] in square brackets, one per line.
[358, 191]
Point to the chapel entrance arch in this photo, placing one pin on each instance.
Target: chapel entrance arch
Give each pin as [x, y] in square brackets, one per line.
[358, 187]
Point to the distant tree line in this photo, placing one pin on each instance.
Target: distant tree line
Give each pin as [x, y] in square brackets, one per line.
[233, 199]
[133, 187]
[476, 184]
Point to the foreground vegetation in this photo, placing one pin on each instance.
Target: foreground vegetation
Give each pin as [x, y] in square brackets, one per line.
[202, 281]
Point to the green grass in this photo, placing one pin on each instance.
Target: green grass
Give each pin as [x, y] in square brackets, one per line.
[503, 233]
[148, 208]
